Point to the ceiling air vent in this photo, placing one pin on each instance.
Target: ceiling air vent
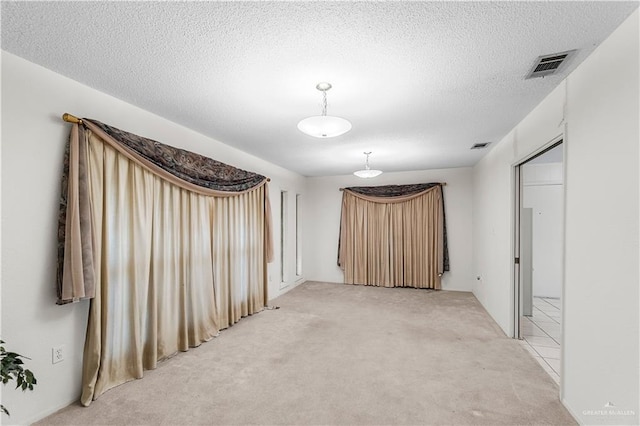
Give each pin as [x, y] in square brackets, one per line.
[480, 145]
[550, 64]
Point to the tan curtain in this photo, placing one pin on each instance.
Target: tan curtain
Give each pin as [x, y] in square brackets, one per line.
[392, 241]
[171, 266]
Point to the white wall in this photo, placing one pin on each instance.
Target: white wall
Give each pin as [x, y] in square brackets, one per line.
[323, 225]
[493, 205]
[602, 323]
[543, 192]
[600, 307]
[33, 139]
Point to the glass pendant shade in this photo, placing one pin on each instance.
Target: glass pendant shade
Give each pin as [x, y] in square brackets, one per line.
[324, 126]
[367, 173]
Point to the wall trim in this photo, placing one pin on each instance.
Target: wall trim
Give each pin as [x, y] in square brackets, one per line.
[558, 138]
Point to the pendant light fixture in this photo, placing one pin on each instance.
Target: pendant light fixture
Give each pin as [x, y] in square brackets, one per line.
[367, 172]
[324, 126]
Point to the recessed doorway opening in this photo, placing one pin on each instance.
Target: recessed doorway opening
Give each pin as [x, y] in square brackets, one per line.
[539, 245]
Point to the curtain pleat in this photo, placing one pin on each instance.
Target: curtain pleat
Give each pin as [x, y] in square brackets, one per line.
[392, 242]
[235, 216]
[172, 267]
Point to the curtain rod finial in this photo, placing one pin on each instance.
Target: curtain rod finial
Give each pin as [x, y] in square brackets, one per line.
[71, 118]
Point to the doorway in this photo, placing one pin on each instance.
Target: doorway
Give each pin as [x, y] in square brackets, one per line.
[539, 213]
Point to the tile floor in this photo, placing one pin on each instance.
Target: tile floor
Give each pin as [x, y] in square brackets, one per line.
[541, 334]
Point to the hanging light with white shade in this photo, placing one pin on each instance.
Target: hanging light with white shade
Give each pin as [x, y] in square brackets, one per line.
[324, 126]
[367, 172]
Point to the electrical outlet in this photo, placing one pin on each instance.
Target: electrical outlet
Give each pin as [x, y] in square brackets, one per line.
[57, 354]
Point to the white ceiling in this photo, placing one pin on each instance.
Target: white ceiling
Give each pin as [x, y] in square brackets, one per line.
[420, 81]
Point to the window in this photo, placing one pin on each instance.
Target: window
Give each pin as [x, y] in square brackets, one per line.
[298, 236]
[283, 237]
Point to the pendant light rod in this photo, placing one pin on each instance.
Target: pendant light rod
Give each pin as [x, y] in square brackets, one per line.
[323, 87]
[324, 103]
[366, 162]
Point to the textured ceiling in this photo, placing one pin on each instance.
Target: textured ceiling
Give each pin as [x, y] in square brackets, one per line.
[420, 81]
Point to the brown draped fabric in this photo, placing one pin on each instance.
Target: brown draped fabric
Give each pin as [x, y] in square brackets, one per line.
[393, 236]
[166, 261]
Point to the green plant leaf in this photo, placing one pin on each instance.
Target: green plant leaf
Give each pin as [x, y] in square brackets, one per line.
[11, 368]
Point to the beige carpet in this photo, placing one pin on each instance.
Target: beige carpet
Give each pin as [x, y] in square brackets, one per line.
[348, 355]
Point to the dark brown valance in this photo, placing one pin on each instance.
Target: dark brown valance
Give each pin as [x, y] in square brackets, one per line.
[189, 166]
[392, 190]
